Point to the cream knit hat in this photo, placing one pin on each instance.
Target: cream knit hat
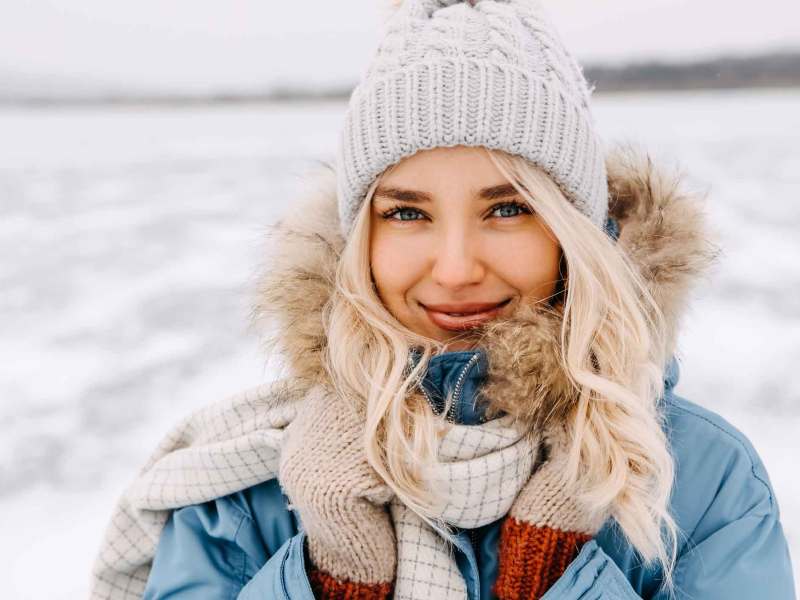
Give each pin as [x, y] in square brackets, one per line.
[490, 73]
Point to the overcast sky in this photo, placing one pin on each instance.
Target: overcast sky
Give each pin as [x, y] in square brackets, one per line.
[245, 45]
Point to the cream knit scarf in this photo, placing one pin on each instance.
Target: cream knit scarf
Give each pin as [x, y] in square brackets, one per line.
[231, 445]
[483, 468]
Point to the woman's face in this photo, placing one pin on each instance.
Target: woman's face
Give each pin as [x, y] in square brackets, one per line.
[449, 234]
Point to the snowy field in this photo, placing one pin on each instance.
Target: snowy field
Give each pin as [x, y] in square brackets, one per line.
[130, 239]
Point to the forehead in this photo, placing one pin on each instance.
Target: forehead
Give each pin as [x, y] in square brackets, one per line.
[457, 170]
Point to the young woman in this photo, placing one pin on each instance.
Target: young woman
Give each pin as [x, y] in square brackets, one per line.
[477, 309]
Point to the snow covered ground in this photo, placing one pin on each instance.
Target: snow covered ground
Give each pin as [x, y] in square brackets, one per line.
[130, 237]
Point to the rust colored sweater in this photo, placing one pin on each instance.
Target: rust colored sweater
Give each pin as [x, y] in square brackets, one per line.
[531, 559]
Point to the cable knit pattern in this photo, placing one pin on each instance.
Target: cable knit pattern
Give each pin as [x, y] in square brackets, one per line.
[491, 73]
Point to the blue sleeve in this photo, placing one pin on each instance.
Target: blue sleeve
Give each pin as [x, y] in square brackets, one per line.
[592, 575]
[736, 548]
[224, 550]
[747, 558]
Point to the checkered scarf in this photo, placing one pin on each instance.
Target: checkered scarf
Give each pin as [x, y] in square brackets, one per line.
[234, 444]
[482, 467]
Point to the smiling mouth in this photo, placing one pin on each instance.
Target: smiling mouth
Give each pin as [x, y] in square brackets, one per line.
[467, 317]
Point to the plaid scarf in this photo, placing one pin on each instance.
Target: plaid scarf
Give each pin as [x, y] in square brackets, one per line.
[234, 444]
[483, 468]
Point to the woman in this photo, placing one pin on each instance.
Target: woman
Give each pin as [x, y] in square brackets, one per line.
[478, 311]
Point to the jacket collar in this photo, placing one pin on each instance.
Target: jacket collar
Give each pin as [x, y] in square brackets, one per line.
[463, 373]
[661, 226]
[460, 373]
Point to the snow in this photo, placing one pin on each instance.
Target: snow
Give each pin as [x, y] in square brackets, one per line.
[131, 238]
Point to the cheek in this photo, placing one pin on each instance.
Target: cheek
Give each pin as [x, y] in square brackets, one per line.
[529, 263]
[396, 266]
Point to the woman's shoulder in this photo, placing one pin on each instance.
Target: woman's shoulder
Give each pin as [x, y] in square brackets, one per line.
[216, 468]
[716, 465]
[253, 502]
[258, 518]
[704, 433]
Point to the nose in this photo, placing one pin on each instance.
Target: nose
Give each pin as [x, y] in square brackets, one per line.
[457, 262]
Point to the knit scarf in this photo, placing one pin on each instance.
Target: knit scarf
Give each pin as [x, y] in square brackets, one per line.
[482, 467]
[236, 443]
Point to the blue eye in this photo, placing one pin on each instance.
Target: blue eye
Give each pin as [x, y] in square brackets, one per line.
[401, 210]
[511, 209]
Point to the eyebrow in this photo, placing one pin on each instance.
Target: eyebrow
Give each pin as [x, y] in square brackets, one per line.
[494, 192]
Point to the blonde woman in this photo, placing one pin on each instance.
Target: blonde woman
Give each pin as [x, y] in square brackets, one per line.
[477, 309]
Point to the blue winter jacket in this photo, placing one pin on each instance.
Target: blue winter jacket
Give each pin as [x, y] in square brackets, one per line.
[248, 545]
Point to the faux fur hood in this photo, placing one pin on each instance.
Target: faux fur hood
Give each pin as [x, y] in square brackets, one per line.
[663, 228]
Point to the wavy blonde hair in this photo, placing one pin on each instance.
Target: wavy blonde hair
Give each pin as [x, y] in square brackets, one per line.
[612, 350]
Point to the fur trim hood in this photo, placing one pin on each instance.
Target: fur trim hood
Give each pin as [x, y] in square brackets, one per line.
[663, 229]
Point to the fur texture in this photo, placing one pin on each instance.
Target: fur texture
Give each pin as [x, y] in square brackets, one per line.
[297, 278]
[662, 228]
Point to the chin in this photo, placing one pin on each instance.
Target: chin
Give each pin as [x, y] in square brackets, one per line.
[460, 345]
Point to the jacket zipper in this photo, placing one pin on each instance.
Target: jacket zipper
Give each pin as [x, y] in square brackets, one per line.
[459, 386]
[421, 387]
[427, 396]
[451, 419]
[450, 416]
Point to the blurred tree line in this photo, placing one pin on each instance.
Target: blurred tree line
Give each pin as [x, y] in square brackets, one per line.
[780, 69]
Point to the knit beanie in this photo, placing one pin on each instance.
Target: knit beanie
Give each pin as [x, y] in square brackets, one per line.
[490, 73]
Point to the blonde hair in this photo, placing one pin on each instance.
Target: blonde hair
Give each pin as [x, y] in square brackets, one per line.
[613, 351]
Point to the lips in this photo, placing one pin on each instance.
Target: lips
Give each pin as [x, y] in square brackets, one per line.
[460, 317]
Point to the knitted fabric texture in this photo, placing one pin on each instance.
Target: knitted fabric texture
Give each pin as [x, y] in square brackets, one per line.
[491, 73]
[340, 498]
[546, 526]
[218, 450]
[483, 468]
[327, 587]
[531, 559]
[231, 445]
